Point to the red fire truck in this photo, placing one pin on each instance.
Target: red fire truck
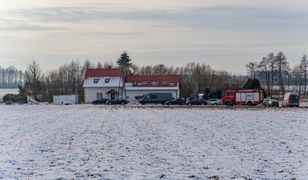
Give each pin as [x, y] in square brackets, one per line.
[242, 97]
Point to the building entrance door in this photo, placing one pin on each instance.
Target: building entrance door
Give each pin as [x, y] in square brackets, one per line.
[112, 96]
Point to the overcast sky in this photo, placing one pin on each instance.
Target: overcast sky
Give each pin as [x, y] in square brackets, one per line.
[225, 34]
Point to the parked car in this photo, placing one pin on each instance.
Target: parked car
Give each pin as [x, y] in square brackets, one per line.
[291, 100]
[214, 101]
[117, 101]
[156, 98]
[270, 102]
[179, 101]
[197, 101]
[100, 101]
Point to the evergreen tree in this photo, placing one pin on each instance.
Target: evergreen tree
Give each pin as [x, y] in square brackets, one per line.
[252, 84]
[125, 62]
[99, 65]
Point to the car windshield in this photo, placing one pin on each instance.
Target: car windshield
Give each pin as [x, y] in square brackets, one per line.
[294, 98]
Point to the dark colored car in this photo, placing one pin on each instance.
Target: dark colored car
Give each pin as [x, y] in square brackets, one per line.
[117, 101]
[270, 102]
[273, 103]
[179, 101]
[100, 101]
[197, 102]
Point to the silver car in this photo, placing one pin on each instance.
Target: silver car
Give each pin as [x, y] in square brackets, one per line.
[214, 101]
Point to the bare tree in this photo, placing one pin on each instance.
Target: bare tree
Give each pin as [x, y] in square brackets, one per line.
[264, 66]
[160, 69]
[297, 78]
[271, 60]
[282, 65]
[33, 84]
[303, 70]
[251, 69]
[108, 65]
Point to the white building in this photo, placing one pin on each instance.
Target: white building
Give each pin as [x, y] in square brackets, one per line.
[140, 85]
[112, 84]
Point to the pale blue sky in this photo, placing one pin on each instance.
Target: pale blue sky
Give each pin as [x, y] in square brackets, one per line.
[225, 34]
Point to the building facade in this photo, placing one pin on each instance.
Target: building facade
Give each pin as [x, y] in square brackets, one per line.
[113, 84]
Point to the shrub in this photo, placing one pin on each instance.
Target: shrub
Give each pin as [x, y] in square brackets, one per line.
[15, 98]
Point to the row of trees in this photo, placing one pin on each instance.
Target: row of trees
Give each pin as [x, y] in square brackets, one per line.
[11, 77]
[68, 79]
[274, 70]
[195, 78]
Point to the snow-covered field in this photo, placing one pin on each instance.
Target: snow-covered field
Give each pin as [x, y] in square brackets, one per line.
[85, 142]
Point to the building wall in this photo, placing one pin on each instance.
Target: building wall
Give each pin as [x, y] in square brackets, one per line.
[90, 94]
[131, 94]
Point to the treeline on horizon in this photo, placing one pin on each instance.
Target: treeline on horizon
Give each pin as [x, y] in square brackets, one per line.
[11, 77]
[195, 77]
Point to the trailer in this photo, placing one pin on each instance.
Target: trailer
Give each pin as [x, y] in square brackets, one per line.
[65, 99]
[243, 97]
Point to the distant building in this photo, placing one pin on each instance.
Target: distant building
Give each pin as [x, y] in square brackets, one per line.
[113, 84]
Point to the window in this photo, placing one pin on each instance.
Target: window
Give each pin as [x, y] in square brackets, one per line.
[96, 81]
[153, 96]
[97, 95]
[107, 80]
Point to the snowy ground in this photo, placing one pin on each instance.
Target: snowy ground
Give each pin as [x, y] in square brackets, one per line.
[83, 142]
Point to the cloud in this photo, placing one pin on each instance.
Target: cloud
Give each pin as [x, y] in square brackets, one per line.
[20, 25]
[237, 18]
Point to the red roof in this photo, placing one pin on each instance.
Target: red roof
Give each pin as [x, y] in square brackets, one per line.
[153, 81]
[103, 73]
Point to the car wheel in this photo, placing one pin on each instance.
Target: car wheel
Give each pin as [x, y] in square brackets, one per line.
[249, 103]
[189, 104]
